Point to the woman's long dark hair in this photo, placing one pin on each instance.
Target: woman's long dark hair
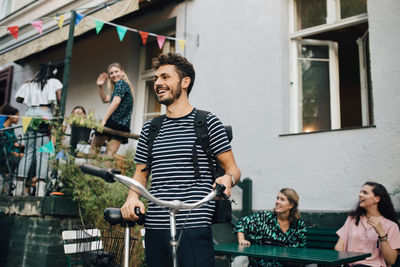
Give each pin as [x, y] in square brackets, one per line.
[385, 205]
[7, 109]
[44, 73]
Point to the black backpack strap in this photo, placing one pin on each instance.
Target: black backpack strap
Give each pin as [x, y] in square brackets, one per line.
[202, 139]
[154, 129]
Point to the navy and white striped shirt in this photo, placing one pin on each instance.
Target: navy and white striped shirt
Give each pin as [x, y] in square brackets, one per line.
[173, 172]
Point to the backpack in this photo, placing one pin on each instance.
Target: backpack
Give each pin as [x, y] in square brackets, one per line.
[223, 208]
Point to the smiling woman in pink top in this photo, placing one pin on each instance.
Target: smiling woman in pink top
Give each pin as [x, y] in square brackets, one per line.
[372, 227]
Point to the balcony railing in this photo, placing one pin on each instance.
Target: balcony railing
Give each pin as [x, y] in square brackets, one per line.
[24, 170]
[26, 167]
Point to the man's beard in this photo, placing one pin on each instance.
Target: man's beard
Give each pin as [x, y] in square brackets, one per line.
[175, 95]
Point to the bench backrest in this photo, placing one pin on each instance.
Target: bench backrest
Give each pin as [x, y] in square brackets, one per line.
[321, 238]
[327, 238]
[76, 241]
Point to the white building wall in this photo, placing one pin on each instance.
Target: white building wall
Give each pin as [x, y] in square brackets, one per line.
[242, 75]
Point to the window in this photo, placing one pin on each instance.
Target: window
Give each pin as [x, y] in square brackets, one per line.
[152, 108]
[5, 85]
[317, 64]
[147, 106]
[330, 74]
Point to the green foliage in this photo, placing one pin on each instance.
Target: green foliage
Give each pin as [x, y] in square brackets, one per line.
[89, 121]
[38, 123]
[396, 191]
[93, 195]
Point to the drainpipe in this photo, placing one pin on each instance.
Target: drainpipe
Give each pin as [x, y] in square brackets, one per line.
[67, 63]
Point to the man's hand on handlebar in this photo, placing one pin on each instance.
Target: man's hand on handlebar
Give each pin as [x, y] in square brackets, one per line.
[226, 180]
[128, 209]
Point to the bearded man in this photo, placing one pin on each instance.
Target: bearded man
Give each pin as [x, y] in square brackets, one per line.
[173, 174]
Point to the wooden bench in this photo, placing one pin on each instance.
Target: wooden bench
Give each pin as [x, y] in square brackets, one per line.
[80, 241]
[324, 238]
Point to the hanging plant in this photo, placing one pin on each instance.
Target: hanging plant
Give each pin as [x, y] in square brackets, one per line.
[88, 122]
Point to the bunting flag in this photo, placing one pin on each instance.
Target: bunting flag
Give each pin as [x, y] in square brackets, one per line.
[25, 123]
[99, 25]
[2, 120]
[160, 41]
[144, 36]
[14, 31]
[78, 18]
[38, 25]
[182, 44]
[47, 148]
[60, 21]
[121, 32]
[62, 155]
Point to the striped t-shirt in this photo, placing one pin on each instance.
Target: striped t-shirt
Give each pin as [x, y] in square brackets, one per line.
[173, 172]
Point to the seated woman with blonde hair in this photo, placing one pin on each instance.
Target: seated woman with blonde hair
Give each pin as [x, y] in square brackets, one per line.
[372, 227]
[282, 227]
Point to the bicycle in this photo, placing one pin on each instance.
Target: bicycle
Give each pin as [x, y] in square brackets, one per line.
[174, 206]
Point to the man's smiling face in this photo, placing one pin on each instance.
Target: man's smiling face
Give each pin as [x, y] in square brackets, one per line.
[167, 84]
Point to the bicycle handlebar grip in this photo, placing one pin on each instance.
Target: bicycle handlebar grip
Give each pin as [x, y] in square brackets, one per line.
[114, 216]
[220, 189]
[107, 175]
[141, 216]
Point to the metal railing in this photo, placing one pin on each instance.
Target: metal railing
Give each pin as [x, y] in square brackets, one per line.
[24, 170]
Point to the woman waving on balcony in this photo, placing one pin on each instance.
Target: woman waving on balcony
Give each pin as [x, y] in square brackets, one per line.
[119, 112]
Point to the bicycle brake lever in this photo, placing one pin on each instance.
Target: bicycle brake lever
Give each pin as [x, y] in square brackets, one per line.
[230, 199]
[220, 193]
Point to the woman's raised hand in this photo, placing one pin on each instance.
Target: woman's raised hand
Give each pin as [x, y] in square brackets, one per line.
[376, 223]
[102, 79]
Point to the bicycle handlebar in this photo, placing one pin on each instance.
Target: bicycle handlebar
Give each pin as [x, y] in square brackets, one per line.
[107, 175]
[112, 175]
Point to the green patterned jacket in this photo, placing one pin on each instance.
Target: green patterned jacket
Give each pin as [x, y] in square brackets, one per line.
[263, 228]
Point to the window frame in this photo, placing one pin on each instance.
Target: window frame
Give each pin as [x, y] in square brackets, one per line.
[364, 84]
[333, 22]
[146, 75]
[333, 81]
[6, 75]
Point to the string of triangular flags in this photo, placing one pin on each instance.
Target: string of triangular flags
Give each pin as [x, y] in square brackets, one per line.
[121, 30]
[25, 120]
[46, 148]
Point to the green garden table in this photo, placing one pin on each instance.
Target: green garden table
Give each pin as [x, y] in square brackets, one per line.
[300, 255]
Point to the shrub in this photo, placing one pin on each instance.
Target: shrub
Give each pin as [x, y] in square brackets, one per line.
[93, 195]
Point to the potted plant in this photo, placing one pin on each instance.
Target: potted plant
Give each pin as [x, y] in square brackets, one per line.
[81, 127]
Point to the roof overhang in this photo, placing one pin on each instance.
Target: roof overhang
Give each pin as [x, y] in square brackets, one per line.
[55, 35]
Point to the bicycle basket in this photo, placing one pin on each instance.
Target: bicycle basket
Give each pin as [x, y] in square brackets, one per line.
[102, 247]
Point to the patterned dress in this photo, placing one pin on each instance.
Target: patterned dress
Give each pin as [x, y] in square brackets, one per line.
[122, 115]
[262, 228]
